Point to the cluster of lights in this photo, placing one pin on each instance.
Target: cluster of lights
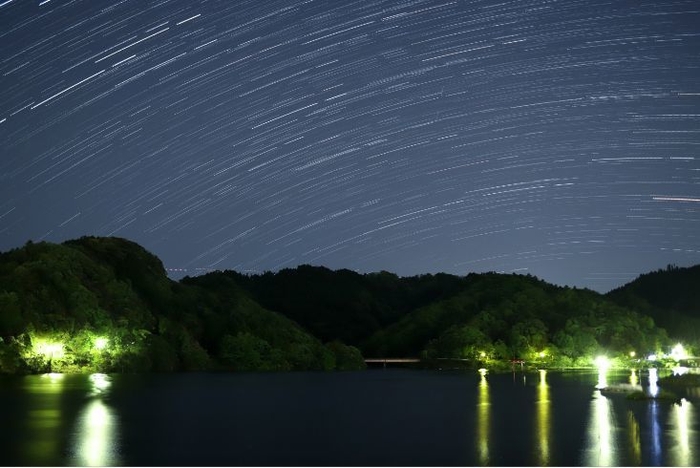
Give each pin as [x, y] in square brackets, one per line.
[678, 353]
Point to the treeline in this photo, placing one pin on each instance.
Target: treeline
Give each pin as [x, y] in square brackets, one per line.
[107, 304]
[485, 318]
[671, 296]
[58, 302]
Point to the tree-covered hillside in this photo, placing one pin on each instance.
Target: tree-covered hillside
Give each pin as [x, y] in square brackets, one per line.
[499, 317]
[671, 296]
[343, 304]
[479, 317]
[106, 304]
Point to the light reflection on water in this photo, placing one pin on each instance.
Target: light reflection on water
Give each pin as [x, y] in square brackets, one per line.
[653, 382]
[634, 439]
[601, 449]
[95, 438]
[483, 416]
[543, 420]
[682, 433]
[43, 422]
[78, 420]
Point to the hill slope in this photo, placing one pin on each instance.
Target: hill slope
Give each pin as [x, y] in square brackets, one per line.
[106, 303]
[671, 297]
[489, 315]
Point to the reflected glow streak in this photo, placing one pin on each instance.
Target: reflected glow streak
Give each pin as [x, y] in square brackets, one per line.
[634, 379]
[653, 382]
[100, 383]
[601, 449]
[543, 419]
[96, 444]
[603, 364]
[635, 444]
[682, 427]
[483, 416]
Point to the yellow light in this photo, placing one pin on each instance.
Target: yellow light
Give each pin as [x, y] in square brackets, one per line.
[632, 354]
[101, 343]
[482, 354]
[49, 349]
[483, 371]
[542, 354]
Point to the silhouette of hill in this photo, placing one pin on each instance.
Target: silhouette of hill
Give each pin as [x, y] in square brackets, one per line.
[670, 296]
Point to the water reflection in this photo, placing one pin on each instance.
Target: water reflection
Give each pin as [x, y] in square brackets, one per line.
[42, 441]
[95, 437]
[635, 444]
[634, 380]
[602, 377]
[653, 382]
[683, 434]
[483, 416]
[543, 420]
[601, 449]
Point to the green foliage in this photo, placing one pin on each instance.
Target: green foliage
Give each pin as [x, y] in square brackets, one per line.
[346, 357]
[670, 297]
[112, 288]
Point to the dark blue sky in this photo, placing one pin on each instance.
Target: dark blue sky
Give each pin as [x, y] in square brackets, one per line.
[557, 138]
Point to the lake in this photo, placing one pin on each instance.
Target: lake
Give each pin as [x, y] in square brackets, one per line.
[375, 417]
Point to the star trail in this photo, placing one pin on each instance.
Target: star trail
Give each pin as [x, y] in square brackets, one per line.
[553, 137]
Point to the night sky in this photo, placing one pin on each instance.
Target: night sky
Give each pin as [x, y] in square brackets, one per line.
[556, 138]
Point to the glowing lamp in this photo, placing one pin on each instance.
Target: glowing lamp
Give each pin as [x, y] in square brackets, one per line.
[101, 343]
[602, 363]
[678, 352]
[48, 349]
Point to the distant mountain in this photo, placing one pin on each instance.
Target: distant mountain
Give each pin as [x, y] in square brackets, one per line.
[107, 304]
[670, 296]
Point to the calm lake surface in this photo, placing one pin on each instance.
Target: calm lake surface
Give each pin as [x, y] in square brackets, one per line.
[376, 417]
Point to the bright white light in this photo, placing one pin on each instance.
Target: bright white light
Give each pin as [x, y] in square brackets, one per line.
[50, 350]
[602, 363]
[101, 343]
[678, 352]
[653, 382]
[651, 357]
[483, 371]
[680, 370]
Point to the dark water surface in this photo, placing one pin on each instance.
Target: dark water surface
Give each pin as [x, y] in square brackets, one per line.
[376, 417]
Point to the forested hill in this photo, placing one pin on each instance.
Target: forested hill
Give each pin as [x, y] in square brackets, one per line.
[481, 317]
[670, 296]
[343, 304]
[106, 304]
